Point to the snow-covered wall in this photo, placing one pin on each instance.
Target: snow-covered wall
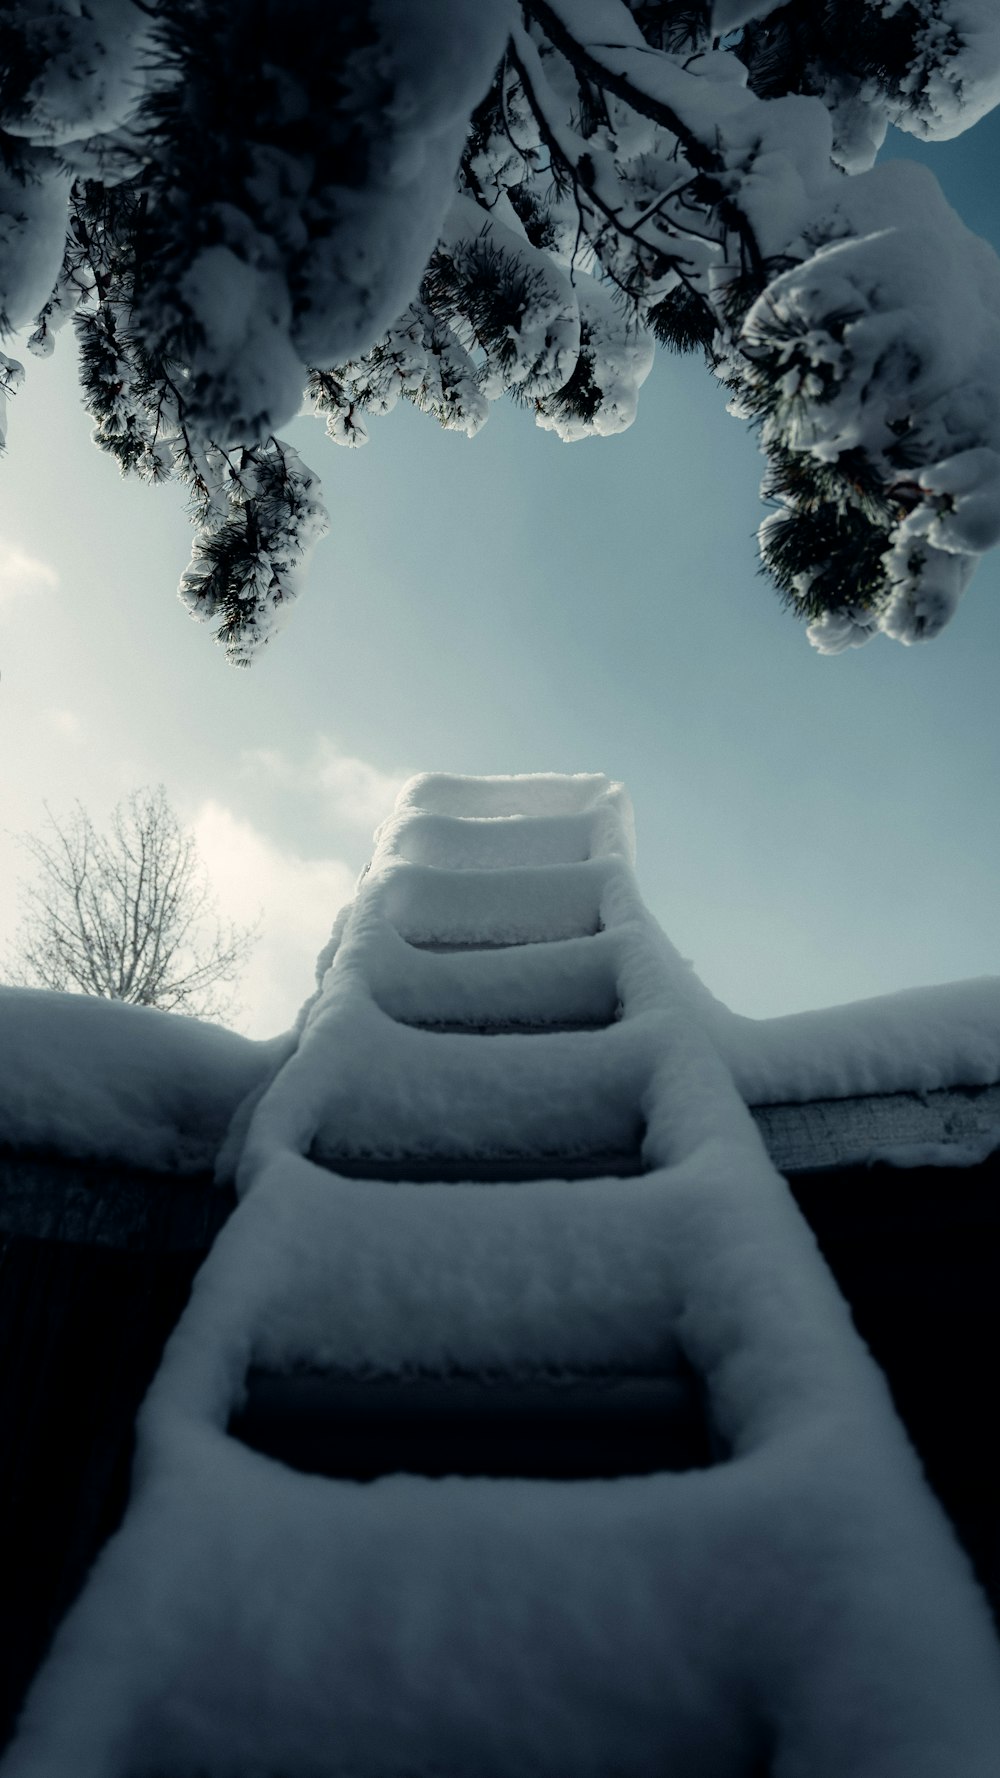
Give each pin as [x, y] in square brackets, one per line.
[917, 1041]
[98, 1080]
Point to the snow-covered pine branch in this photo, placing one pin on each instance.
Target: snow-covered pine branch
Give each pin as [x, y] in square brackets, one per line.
[448, 202]
[261, 517]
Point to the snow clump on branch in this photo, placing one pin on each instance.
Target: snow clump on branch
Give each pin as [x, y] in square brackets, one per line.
[443, 202]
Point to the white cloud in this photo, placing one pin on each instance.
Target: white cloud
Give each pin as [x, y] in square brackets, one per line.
[66, 723]
[21, 573]
[359, 792]
[352, 790]
[297, 899]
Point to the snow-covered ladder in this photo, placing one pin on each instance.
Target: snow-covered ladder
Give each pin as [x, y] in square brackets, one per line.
[509, 1242]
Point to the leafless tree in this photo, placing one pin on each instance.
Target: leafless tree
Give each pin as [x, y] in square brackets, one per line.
[127, 914]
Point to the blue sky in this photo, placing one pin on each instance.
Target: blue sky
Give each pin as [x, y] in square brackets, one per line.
[811, 829]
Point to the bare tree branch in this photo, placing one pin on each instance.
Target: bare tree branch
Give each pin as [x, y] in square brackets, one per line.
[127, 914]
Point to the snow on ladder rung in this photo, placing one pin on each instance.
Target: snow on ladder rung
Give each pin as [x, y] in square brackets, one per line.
[485, 908]
[473, 843]
[539, 985]
[537, 794]
[398, 1093]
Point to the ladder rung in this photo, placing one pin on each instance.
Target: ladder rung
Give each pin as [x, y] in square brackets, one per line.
[498, 944]
[508, 1027]
[483, 1169]
[552, 1426]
